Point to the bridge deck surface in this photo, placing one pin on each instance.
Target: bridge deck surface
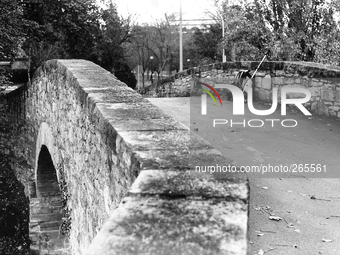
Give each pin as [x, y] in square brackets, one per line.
[177, 107]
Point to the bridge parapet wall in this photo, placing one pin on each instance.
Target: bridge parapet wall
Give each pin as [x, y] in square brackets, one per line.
[65, 96]
[322, 81]
[119, 157]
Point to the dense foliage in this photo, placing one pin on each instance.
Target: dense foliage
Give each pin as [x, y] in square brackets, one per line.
[12, 28]
[13, 212]
[47, 29]
[288, 30]
[297, 30]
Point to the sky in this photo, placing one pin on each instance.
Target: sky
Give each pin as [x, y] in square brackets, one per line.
[148, 11]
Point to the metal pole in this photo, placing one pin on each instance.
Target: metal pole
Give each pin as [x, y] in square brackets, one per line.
[246, 83]
[180, 39]
[224, 59]
[258, 66]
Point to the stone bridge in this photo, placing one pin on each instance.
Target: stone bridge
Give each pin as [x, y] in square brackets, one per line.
[107, 172]
[322, 81]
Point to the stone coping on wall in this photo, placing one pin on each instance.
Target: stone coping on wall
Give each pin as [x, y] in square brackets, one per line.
[170, 209]
[176, 212]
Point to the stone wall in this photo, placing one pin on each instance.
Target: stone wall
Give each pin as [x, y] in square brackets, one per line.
[101, 136]
[322, 81]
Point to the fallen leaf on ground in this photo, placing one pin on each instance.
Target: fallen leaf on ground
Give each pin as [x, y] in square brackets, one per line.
[281, 244]
[277, 218]
[261, 252]
[270, 249]
[313, 197]
[290, 225]
[268, 231]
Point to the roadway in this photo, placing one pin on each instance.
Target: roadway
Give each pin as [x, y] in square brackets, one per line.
[307, 204]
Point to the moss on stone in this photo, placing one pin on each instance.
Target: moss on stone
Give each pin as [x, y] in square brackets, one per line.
[151, 225]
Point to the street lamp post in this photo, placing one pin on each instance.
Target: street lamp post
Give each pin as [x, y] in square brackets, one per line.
[223, 50]
[151, 58]
[180, 39]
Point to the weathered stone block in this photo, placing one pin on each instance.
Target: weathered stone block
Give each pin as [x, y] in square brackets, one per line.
[144, 213]
[289, 81]
[260, 74]
[337, 96]
[277, 80]
[328, 95]
[317, 83]
[267, 82]
[280, 73]
[314, 91]
[329, 86]
[258, 82]
[332, 113]
[191, 183]
[298, 95]
[328, 103]
[264, 95]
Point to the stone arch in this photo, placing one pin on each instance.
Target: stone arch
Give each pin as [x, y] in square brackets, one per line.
[46, 208]
[45, 138]
[47, 181]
